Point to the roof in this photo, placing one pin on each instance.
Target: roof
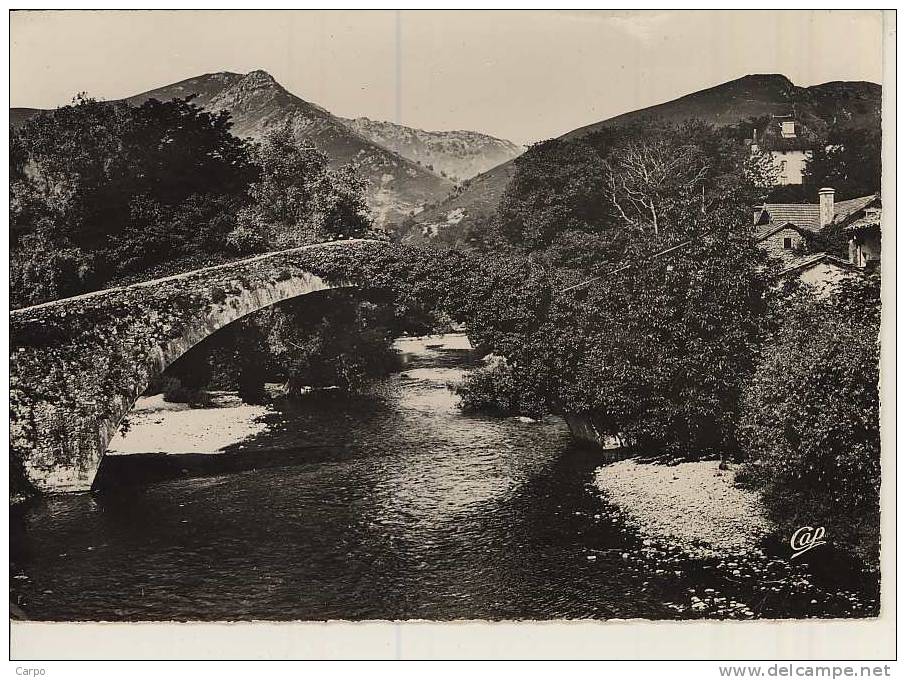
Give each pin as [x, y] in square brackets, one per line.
[771, 138]
[808, 215]
[805, 215]
[866, 222]
[845, 209]
[771, 228]
[812, 260]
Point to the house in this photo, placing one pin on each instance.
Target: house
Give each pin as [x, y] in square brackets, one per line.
[788, 143]
[787, 231]
[821, 271]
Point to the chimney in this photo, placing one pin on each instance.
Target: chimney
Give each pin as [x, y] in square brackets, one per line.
[825, 206]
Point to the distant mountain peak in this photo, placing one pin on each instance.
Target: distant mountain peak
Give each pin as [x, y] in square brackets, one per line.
[766, 77]
[260, 77]
[220, 76]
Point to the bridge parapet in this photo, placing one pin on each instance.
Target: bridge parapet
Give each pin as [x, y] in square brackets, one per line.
[77, 365]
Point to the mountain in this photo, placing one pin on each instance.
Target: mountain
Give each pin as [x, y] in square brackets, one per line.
[257, 103]
[457, 154]
[855, 104]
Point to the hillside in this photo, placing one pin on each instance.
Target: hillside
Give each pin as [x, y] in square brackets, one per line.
[20, 115]
[457, 154]
[257, 103]
[856, 104]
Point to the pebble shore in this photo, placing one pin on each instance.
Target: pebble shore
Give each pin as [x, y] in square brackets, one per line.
[693, 505]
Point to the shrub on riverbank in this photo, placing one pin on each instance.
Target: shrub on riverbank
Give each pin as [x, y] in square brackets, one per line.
[810, 417]
[328, 341]
[657, 353]
[499, 390]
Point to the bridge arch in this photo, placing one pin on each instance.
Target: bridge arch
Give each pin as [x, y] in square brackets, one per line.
[78, 365]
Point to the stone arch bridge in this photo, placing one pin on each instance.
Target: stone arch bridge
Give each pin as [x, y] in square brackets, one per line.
[77, 365]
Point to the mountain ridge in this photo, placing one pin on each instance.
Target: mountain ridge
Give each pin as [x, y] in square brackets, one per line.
[457, 154]
[258, 103]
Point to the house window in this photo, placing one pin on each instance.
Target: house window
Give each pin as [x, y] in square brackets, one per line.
[788, 128]
[787, 243]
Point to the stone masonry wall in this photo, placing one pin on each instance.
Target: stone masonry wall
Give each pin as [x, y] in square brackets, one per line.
[773, 244]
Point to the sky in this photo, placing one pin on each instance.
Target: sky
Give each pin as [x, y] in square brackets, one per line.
[520, 75]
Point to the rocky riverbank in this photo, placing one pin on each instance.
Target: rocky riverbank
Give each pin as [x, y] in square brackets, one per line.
[693, 505]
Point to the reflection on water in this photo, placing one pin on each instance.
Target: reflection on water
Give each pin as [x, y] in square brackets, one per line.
[392, 505]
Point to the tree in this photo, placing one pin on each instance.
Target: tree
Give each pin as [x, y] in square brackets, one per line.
[656, 353]
[557, 187]
[655, 348]
[108, 183]
[44, 269]
[329, 342]
[298, 200]
[849, 160]
[651, 179]
[583, 202]
[810, 416]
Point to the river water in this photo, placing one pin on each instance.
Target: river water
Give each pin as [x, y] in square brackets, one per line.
[392, 505]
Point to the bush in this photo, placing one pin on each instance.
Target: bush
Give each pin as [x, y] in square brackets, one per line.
[186, 380]
[498, 390]
[809, 421]
[176, 392]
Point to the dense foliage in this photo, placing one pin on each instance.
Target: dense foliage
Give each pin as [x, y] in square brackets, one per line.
[847, 159]
[105, 191]
[810, 417]
[655, 346]
[584, 202]
[318, 343]
[99, 190]
[297, 199]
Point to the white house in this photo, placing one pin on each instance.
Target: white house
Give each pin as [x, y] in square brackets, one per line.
[789, 145]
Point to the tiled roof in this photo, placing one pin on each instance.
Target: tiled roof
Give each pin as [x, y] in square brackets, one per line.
[772, 228]
[803, 215]
[843, 209]
[864, 223]
[808, 216]
[812, 260]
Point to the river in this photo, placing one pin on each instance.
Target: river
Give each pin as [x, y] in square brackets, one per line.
[391, 505]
